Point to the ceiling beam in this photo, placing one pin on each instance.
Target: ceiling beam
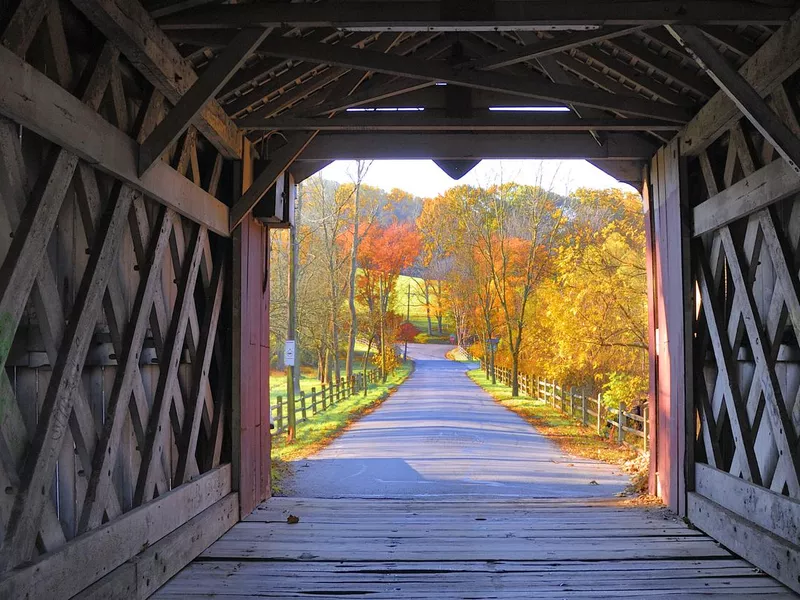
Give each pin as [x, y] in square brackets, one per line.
[204, 89]
[736, 87]
[404, 121]
[420, 146]
[549, 46]
[431, 71]
[131, 29]
[456, 15]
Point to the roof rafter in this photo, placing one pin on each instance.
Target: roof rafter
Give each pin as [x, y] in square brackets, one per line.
[421, 122]
[133, 31]
[430, 15]
[430, 71]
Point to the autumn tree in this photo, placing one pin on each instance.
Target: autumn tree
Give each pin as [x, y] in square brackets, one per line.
[383, 253]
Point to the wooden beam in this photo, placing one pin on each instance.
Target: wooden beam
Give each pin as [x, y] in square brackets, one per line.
[278, 163]
[775, 61]
[431, 71]
[35, 480]
[404, 121]
[221, 69]
[773, 555]
[412, 146]
[131, 29]
[736, 87]
[427, 16]
[66, 571]
[548, 47]
[141, 576]
[766, 186]
[33, 100]
[775, 512]
[169, 363]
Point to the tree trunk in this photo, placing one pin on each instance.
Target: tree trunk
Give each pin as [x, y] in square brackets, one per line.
[428, 307]
[439, 305]
[351, 297]
[382, 332]
[514, 371]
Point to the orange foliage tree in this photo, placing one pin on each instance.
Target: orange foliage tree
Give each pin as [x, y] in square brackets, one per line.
[383, 253]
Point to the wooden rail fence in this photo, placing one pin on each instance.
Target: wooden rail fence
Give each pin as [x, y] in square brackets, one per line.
[309, 404]
[627, 427]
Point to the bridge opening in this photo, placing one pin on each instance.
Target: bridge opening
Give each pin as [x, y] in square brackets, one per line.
[150, 148]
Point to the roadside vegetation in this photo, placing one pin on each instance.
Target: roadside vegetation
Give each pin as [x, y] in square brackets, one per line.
[572, 437]
[316, 433]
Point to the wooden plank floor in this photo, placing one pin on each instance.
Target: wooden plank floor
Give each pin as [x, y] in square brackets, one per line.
[465, 549]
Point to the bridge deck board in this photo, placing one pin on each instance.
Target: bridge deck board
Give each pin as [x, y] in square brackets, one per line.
[465, 549]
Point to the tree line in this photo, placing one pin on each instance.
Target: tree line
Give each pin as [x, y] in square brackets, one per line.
[559, 282]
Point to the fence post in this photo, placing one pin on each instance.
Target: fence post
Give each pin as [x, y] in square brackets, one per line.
[583, 407]
[280, 414]
[645, 428]
[322, 392]
[599, 414]
[621, 433]
[303, 405]
[572, 402]
[313, 400]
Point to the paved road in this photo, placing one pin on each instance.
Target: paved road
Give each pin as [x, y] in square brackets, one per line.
[442, 435]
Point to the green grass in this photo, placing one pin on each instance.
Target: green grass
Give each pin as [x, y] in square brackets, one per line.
[568, 434]
[321, 429]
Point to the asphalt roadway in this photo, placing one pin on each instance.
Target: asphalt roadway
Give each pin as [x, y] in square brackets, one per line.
[441, 435]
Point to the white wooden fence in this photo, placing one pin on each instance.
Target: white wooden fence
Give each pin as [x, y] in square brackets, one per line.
[626, 427]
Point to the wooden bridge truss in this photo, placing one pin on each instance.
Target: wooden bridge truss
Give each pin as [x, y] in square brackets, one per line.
[135, 140]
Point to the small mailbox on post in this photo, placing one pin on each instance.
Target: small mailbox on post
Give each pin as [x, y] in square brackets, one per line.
[276, 208]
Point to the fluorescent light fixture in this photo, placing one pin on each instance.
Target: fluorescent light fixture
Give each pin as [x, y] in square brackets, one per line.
[441, 83]
[387, 109]
[529, 108]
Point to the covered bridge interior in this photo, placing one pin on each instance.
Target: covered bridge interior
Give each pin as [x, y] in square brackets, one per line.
[146, 148]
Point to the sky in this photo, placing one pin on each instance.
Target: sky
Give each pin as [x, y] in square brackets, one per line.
[423, 178]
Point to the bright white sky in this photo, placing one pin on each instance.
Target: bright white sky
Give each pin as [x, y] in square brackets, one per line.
[423, 178]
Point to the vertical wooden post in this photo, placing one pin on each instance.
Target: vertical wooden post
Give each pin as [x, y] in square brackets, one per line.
[303, 405]
[599, 414]
[572, 402]
[621, 423]
[323, 396]
[250, 412]
[671, 291]
[313, 400]
[280, 413]
[583, 407]
[645, 428]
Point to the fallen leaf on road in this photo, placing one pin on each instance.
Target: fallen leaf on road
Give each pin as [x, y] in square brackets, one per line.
[292, 519]
[593, 482]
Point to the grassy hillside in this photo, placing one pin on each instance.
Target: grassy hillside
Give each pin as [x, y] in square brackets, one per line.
[417, 312]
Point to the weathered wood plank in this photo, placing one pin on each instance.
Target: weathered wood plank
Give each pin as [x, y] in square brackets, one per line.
[149, 570]
[89, 557]
[776, 513]
[422, 548]
[775, 61]
[20, 537]
[131, 29]
[199, 95]
[776, 556]
[31, 99]
[766, 186]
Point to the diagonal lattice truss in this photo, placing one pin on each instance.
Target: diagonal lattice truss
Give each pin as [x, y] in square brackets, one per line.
[112, 381]
[747, 380]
